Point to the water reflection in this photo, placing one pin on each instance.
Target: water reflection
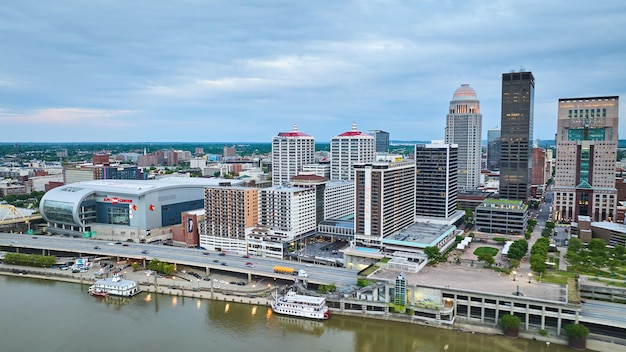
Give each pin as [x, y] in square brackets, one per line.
[141, 323]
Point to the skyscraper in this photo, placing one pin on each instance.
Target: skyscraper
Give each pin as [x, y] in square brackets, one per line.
[586, 152]
[436, 180]
[348, 148]
[516, 134]
[463, 128]
[381, 139]
[290, 151]
[385, 199]
[493, 149]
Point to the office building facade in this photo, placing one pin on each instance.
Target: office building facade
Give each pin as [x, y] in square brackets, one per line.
[436, 180]
[516, 134]
[464, 128]
[385, 200]
[290, 152]
[493, 149]
[586, 154]
[381, 139]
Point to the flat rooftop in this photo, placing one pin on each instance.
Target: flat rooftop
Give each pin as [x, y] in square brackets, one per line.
[420, 234]
[477, 279]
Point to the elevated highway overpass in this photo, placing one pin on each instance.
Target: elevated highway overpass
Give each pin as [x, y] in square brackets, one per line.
[234, 263]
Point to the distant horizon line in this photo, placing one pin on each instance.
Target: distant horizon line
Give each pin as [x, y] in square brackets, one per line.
[394, 141]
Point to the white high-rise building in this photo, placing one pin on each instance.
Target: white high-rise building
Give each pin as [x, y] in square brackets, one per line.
[463, 128]
[288, 211]
[347, 149]
[290, 151]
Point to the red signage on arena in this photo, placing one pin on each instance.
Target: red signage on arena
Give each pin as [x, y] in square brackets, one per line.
[116, 200]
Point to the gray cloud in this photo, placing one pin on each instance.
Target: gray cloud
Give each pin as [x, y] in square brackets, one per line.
[245, 70]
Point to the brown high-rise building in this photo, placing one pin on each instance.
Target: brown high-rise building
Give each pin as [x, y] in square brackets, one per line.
[586, 155]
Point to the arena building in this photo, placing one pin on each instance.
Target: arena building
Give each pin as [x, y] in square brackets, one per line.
[130, 210]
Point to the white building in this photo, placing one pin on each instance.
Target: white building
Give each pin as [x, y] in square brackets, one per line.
[347, 149]
[290, 151]
[463, 128]
[338, 199]
[318, 169]
[288, 211]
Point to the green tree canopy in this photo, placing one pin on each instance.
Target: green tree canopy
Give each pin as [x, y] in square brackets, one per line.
[433, 253]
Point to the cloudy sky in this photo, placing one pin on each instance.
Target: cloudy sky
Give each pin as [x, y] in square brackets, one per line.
[228, 70]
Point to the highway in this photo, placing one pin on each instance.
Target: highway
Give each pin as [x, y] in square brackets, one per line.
[235, 263]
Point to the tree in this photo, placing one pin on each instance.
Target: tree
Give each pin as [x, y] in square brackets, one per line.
[487, 259]
[518, 249]
[468, 217]
[514, 263]
[510, 324]
[577, 334]
[538, 263]
[433, 253]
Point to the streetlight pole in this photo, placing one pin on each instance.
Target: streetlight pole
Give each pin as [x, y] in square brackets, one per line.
[198, 282]
[514, 274]
[530, 275]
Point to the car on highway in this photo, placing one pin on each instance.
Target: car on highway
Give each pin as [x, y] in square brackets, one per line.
[125, 245]
[224, 263]
[145, 251]
[111, 244]
[118, 242]
[245, 256]
[96, 247]
[206, 253]
[216, 260]
[250, 265]
[222, 254]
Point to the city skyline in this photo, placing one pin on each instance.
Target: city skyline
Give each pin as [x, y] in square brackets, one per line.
[223, 72]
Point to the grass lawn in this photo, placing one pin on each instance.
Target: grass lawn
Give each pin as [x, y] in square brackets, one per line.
[486, 250]
[556, 276]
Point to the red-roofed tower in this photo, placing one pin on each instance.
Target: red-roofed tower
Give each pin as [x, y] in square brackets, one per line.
[348, 148]
[290, 151]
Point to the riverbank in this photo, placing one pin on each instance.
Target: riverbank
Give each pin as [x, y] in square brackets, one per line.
[251, 295]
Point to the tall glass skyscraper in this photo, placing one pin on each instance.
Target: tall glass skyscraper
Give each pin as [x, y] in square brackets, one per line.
[493, 149]
[516, 134]
[381, 139]
[463, 128]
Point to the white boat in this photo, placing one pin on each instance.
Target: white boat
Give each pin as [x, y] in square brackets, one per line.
[297, 305]
[116, 286]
